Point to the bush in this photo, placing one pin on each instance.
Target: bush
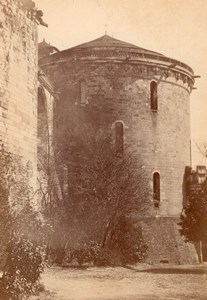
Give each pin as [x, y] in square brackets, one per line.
[125, 245]
[24, 264]
[103, 257]
[90, 253]
[81, 253]
[127, 242]
[25, 255]
[59, 254]
[23, 233]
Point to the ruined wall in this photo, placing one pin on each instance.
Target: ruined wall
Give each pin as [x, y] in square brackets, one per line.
[18, 81]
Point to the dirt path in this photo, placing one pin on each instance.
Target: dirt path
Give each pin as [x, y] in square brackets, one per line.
[123, 284]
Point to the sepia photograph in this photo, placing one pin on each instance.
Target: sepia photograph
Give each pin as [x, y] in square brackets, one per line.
[103, 149]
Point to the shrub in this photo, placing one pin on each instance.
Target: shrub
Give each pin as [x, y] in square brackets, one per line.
[25, 263]
[125, 245]
[104, 257]
[81, 253]
[22, 230]
[127, 241]
[91, 253]
[25, 255]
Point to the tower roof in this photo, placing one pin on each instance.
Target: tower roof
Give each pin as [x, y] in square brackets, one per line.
[45, 49]
[43, 44]
[109, 48]
[107, 42]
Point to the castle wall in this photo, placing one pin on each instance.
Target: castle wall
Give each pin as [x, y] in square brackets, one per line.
[121, 91]
[18, 81]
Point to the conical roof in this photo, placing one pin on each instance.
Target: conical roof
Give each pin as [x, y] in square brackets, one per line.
[45, 49]
[107, 42]
[44, 45]
[107, 47]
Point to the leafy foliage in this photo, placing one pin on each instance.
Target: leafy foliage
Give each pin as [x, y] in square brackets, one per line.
[25, 255]
[22, 230]
[25, 263]
[90, 253]
[128, 242]
[126, 246]
[5, 221]
[194, 217]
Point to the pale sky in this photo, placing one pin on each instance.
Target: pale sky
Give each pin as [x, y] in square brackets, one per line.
[175, 28]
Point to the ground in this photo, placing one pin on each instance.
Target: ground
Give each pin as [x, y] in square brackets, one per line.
[136, 283]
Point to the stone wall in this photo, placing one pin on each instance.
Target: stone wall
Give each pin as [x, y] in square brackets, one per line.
[165, 245]
[120, 91]
[117, 88]
[18, 81]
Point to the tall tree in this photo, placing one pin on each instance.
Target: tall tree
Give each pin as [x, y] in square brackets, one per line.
[100, 186]
[194, 218]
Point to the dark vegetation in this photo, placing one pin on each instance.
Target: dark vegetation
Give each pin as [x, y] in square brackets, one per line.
[194, 217]
[93, 221]
[194, 220]
[102, 189]
[22, 246]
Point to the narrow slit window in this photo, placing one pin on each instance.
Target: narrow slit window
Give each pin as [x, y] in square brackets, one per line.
[83, 92]
[156, 189]
[119, 137]
[153, 96]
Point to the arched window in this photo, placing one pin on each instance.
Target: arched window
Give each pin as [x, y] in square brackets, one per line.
[83, 92]
[153, 96]
[119, 137]
[156, 189]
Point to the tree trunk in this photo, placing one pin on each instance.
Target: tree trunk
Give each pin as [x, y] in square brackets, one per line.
[105, 235]
[201, 252]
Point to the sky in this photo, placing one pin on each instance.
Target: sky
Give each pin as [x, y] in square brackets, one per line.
[175, 28]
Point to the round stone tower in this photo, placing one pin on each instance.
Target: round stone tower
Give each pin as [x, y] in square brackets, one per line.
[144, 96]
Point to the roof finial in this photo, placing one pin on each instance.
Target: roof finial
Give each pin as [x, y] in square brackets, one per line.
[106, 27]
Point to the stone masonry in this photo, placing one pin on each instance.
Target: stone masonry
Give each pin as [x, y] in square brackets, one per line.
[18, 81]
[103, 81]
[117, 89]
[117, 78]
